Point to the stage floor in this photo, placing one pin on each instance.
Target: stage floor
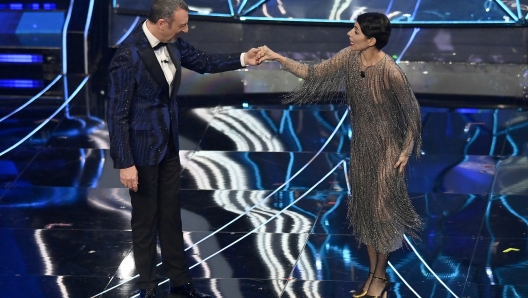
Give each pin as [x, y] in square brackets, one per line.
[65, 217]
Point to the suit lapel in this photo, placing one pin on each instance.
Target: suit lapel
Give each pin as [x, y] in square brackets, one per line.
[146, 53]
[177, 77]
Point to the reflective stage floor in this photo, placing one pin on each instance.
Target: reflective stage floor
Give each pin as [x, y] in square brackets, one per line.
[64, 216]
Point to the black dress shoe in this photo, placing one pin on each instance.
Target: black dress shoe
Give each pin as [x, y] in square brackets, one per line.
[148, 293]
[186, 291]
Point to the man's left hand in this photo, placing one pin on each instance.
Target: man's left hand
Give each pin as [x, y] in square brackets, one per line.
[252, 56]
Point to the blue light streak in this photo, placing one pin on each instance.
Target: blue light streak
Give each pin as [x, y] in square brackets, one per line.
[468, 202]
[472, 140]
[21, 58]
[508, 288]
[255, 167]
[254, 7]
[268, 119]
[519, 12]
[416, 30]
[515, 147]
[507, 10]
[49, 118]
[128, 31]
[490, 231]
[286, 118]
[86, 29]
[231, 9]
[404, 281]
[67, 108]
[494, 132]
[32, 99]
[99, 169]
[389, 7]
[222, 15]
[64, 34]
[338, 202]
[448, 263]
[289, 170]
[512, 211]
[82, 166]
[416, 9]
[242, 6]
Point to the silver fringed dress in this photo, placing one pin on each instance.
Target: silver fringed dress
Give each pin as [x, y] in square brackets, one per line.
[386, 122]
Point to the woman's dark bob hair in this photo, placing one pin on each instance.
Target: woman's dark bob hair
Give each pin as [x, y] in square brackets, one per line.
[377, 25]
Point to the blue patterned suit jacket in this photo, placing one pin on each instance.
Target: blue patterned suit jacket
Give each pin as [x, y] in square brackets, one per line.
[140, 113]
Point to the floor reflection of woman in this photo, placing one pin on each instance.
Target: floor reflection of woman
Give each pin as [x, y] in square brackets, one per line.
[386, 124]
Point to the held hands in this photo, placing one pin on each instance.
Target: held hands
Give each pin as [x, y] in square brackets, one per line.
[402, 162]
[251, 57]
[259, 55]
[129, 178]
[266, 53]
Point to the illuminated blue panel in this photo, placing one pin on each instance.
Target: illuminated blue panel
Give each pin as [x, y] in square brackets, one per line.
[16, 6]
[9, 20]
[41, 23]
[35, 6]
[21, 83]
[21, 58]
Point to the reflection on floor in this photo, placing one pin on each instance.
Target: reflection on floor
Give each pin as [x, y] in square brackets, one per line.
[64, 216]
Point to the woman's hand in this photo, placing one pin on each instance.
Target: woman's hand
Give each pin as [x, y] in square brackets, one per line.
[402, 162]
[266, 53]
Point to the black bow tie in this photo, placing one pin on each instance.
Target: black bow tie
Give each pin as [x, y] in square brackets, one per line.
[159, 45]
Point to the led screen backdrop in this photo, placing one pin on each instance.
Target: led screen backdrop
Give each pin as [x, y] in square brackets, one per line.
[399, 11]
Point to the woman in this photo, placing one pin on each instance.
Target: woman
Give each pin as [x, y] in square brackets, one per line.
[386, 124]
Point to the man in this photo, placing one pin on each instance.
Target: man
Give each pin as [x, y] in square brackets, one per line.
[145, 75]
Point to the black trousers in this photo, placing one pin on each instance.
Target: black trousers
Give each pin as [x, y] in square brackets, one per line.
[156, 212]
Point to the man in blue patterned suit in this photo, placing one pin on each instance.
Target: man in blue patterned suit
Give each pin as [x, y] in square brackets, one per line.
[145, 75]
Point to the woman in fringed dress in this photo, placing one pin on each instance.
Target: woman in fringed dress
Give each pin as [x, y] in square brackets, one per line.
[386, 125]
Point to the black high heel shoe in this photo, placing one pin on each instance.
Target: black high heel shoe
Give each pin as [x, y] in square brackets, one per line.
[361, 292]
[385, 289]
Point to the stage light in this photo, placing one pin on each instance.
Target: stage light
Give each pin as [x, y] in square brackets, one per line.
[21, 58]
[21, 83]
[16, 6]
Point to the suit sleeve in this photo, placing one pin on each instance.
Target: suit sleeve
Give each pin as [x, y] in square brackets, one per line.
[120, 92]
[201, 62]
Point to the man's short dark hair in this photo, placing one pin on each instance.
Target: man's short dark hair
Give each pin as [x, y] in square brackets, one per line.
[377, 25]
[164, 9]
